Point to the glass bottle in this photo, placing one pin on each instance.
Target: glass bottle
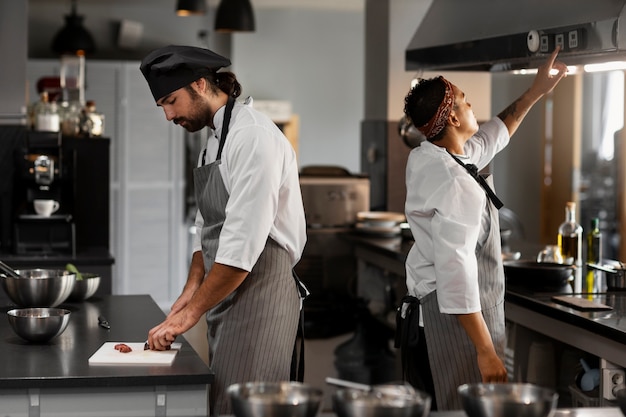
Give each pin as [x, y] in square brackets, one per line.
[570, 240]
[46, 115]
[70, 111]
[92, 121]
[594, 255]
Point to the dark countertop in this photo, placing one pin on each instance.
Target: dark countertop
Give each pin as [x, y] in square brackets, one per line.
[63, 362]
[609, 324]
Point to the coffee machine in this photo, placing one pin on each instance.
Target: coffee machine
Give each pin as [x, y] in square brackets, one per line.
[44, 169]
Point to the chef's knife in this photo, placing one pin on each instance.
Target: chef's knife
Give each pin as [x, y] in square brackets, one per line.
[102, 322]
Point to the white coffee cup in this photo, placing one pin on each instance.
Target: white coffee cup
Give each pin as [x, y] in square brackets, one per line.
[45, 207]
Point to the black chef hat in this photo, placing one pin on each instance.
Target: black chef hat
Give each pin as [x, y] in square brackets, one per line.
[172, 67]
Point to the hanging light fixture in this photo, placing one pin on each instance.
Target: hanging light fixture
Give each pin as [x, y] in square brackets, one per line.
[73, 38]
[234, 16]
[190, 7]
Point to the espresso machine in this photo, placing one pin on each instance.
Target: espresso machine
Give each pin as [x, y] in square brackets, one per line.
[43, 172]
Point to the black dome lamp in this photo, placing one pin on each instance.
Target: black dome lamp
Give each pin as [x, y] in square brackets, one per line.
[234, 16]
[73, 38]
[190, 7]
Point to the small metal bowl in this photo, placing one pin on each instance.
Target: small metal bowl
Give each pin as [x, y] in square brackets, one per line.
[387, 400]
[621, 399]
[85, 288]
[38, 325]
[275, 399]
[512, 399]
[39, 287]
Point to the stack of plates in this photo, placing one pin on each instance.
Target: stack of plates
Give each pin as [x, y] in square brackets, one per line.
[379, 223]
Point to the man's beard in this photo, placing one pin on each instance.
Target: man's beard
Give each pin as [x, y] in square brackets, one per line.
[198, 117]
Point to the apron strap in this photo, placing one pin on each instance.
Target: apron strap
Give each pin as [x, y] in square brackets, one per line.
[473, 171]
[297, 363]
[407, 328]
[228, 111]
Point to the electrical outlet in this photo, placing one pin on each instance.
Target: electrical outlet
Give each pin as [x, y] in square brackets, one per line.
[612, 381]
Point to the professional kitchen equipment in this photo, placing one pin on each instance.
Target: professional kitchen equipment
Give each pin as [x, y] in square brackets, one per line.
[389, 400]
[534, 275]
[38, 325]
[588, 32]
[332, 196]
[85, 287]
[512, 399]
[74, 172]
[275, 399]
[614, 274]
[38, 287]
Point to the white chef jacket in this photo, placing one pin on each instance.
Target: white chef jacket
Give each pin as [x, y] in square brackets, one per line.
[260, 172]
[444, 207]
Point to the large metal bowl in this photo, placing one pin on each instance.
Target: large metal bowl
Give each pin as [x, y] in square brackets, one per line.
[85, 288]
[620, 395]
[275, 399]
[39, 287]
[381, 401]
[512, 399]
[38, 325]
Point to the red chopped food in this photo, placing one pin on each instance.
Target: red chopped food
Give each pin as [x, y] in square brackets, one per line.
[122, 347]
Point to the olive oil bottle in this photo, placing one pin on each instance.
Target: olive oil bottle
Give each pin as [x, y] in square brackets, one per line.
[570, 241]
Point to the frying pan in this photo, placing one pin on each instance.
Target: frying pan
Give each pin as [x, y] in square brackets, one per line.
[538, 275]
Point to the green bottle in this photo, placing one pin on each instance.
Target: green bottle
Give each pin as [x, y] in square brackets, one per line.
[594, 255]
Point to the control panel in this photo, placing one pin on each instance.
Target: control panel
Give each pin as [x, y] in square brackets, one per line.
[570, 40]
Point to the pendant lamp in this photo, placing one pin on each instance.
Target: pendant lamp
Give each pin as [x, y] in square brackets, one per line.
[190, 7]
[73, 38]
[234, 16]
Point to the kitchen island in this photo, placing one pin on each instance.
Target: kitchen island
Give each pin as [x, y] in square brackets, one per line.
[55, 378]
[529, 314]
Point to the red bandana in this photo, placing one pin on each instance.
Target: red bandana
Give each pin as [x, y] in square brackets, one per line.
[440, 118]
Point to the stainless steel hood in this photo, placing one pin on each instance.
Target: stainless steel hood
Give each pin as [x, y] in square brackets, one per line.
[500, 35]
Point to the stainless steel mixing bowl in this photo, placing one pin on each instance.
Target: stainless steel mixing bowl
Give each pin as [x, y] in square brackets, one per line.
[275, 399]
[510, 399]
[389, 400]
[38, 325]
[85, 288]
[39, 287]
[621, 400]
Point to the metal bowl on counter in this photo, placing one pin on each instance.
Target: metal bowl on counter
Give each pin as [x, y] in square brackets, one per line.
[538, 275]
[621, 399]
[275, 399]
[39, 287]
[381, 401]
[38, 325]
[510, 399]
[84, 287]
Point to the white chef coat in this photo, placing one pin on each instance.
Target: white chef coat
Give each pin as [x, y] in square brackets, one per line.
[260, 173]
[444, 207]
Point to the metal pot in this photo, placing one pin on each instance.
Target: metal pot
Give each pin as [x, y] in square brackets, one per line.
[615, 274]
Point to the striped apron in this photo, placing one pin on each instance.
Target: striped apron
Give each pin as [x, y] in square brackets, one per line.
[451, 353]
[251, 333]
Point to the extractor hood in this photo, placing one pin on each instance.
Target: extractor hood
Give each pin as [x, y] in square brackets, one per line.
[501, 35]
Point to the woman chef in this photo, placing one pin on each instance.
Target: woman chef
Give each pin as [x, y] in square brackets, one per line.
[452, 331]
[251, 226]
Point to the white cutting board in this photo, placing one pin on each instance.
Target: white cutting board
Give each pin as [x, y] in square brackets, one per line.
[108, 355]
